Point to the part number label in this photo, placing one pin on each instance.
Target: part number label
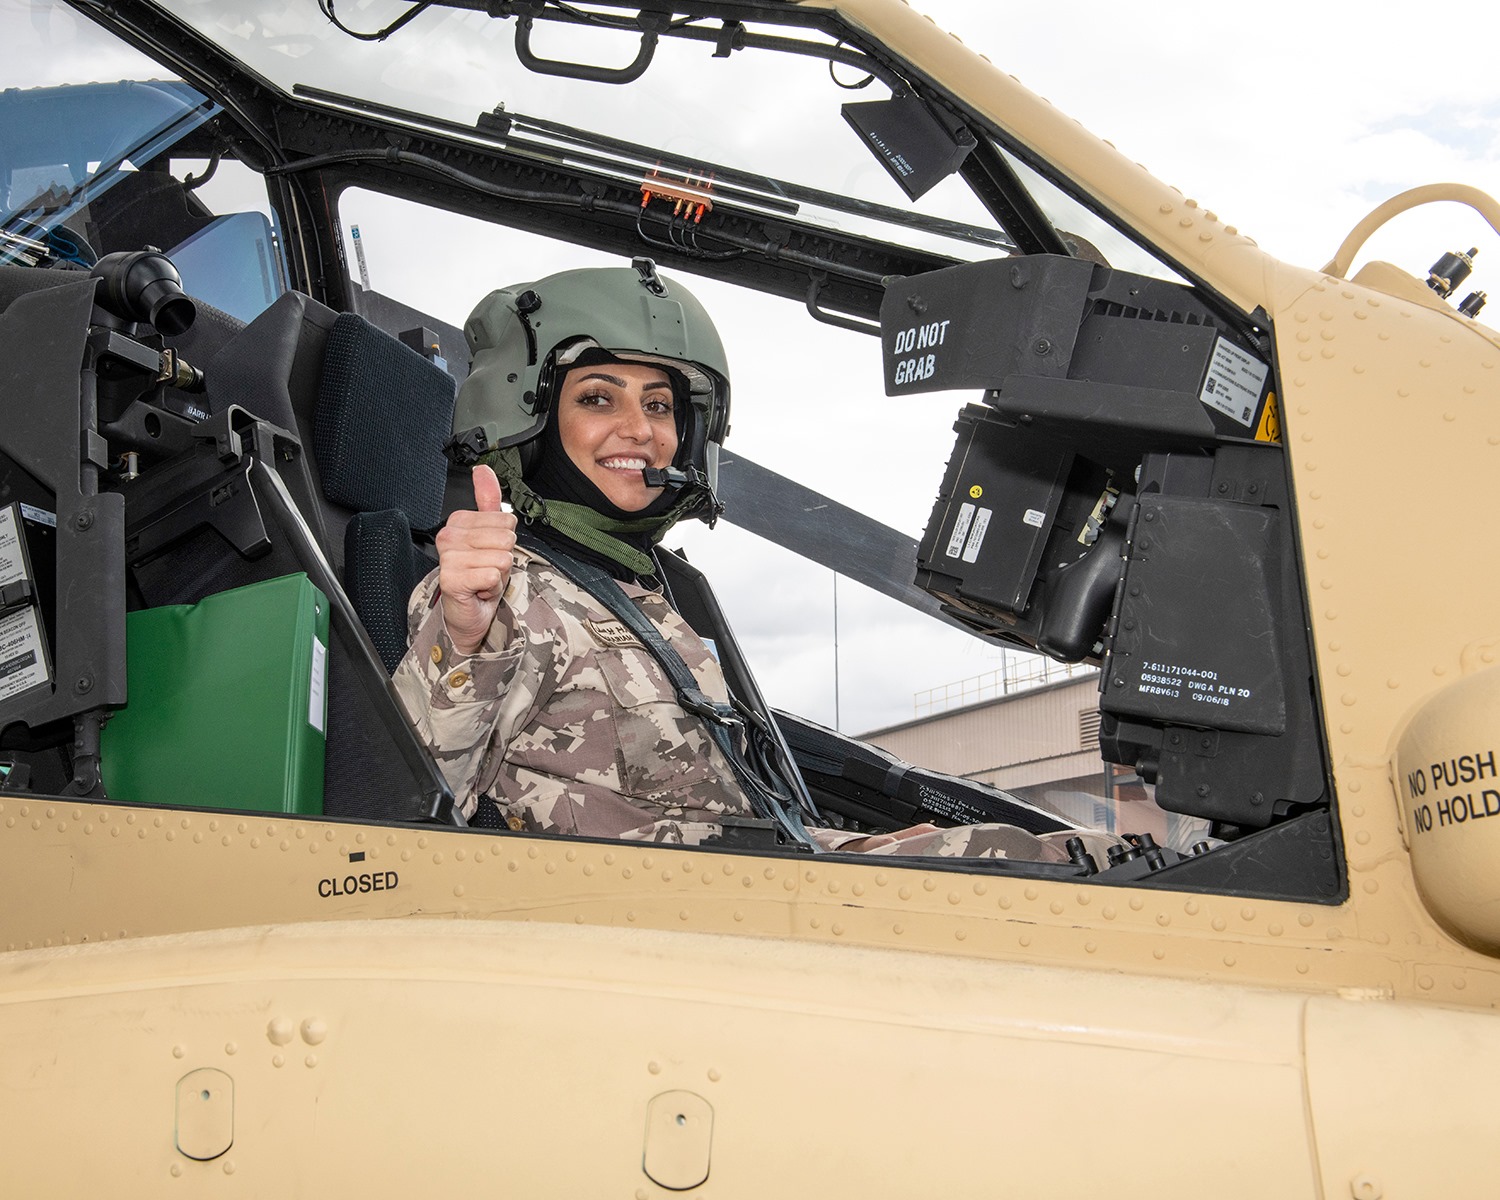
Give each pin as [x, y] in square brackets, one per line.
[1234, 383]
[1199, 684]
[23, 655]
[960, 530]
[976, 534]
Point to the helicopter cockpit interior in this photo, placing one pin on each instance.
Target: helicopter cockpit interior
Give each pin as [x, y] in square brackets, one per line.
[199, 402]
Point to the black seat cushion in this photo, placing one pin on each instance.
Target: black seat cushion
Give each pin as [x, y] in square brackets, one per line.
[381, 568]
[383, 415]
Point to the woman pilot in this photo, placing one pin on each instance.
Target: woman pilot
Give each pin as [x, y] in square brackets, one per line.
[547, 702]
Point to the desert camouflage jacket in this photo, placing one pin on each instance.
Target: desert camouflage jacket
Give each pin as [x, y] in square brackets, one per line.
[565, 718]
[567, 721]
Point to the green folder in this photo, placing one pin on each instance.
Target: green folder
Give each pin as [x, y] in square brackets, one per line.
[226, 703]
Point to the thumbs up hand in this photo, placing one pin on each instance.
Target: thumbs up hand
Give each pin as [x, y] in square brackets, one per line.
[474, 561]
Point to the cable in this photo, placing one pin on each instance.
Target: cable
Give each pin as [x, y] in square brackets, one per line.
[394, 156]
[686, 244]
[788, 782]
[326, 8]
[583, 17]
[848, 87]
[588, 18]
[190, 182]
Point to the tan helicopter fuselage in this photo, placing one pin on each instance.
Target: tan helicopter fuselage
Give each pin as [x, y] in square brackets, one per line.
[222, 1004]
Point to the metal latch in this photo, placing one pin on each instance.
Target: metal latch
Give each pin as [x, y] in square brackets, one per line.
[205, 1114]
[679, 1138]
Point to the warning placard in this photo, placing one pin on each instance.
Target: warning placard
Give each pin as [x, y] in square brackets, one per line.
[23, 653]
[12, 548]
[1234, 383]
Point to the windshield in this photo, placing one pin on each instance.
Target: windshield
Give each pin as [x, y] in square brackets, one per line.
[684, 118]
[64, 147]
[786, 120]
[87, 169]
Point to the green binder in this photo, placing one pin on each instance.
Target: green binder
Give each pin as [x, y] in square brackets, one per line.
[227, 702]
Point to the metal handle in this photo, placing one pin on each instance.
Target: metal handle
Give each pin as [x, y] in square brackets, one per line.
[1480, 202]
[815, 291]
[568, 70]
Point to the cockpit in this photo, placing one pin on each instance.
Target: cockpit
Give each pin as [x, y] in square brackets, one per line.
[262, 264]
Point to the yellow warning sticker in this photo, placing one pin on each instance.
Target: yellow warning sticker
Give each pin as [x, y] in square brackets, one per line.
[975, 492]
[1270, 421]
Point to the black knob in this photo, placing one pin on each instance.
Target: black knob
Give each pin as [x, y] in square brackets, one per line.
[1450, 271]
[1080, 857]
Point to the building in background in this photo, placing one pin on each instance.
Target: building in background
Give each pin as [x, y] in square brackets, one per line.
[1032, 729]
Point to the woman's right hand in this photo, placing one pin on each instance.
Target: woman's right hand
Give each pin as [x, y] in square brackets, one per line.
[474, 560]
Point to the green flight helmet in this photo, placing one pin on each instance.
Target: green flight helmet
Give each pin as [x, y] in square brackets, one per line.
[521, 338]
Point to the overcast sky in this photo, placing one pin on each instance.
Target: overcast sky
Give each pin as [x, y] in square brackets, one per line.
[1291, 121]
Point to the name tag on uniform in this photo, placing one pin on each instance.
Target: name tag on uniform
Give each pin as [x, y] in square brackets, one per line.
[613, 633]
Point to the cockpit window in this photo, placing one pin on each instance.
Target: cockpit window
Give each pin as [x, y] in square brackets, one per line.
[1088, 234]
[88, 168]
[65, 147]
[452, 67]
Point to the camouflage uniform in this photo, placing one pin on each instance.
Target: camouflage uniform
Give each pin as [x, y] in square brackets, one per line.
[566, 720]
[564, 717]
[978, 841]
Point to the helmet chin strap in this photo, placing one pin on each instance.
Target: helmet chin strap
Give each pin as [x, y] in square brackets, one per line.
[581, 523]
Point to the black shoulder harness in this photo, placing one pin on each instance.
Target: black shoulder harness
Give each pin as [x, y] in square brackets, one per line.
[769, 799]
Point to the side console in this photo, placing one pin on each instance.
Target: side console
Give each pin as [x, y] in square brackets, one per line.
[1121, 497]
[124, 486]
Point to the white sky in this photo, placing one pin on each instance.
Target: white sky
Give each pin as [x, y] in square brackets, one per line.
[1291, 121]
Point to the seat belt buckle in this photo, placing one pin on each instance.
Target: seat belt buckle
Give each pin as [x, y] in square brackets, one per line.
[700, 705]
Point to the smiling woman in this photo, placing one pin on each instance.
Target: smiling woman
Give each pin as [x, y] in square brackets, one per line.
[551, 675]
[543, 706]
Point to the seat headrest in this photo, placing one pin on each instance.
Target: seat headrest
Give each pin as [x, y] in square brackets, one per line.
[383, 414]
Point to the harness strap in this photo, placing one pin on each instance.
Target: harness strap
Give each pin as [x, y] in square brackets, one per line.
[718, 719]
